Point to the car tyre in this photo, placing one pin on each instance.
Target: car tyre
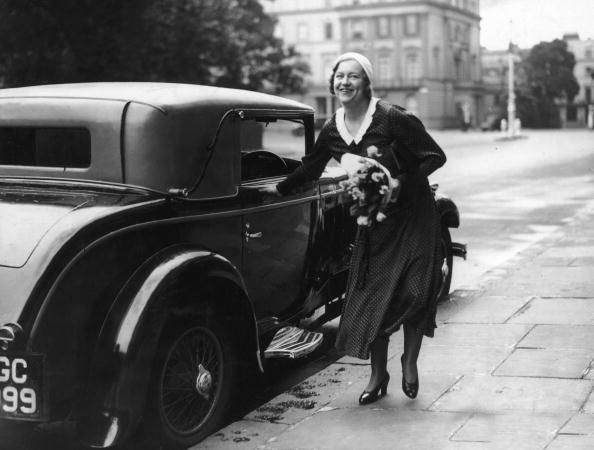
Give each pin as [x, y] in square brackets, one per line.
[193, 382]
[448, 263]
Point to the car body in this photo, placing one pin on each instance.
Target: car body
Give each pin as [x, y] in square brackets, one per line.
[140, 257]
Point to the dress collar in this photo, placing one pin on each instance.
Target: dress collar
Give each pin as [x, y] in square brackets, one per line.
[341, 125]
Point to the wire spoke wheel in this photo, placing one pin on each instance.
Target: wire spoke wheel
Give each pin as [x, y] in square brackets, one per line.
[193, 383]
[190, 380]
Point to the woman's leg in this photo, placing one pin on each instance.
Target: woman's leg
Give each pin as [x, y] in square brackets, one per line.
[379, 361]
[412, 346]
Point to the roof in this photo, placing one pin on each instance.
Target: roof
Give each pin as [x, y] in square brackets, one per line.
[163, 96]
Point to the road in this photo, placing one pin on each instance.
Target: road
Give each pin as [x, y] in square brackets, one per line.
[510, 194]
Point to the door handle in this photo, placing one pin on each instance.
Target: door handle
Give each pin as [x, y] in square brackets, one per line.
[247, 235]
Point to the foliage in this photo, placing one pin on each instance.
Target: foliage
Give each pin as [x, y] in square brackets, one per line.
[549, 68]
[220, 42]
[537, 112]
[545, 75]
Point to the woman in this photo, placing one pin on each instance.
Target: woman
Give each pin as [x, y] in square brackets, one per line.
[395, 269]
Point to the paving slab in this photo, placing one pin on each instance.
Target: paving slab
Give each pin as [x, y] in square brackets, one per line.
[547, 282]
[581, 423]
[303, 399]
[431, 387]
[560, 337]
[362, 428]
[589, 405]
[584, 261]
[561, 311]
[489, 394]
[455, 302]
[516, 431]
[575, 250]
[461, 360]
[243, 435]
[546, 363]
[489, 309]
[572, 442]
[477, 335]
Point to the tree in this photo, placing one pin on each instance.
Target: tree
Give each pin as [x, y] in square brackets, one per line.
[548, 70]
[220, 42]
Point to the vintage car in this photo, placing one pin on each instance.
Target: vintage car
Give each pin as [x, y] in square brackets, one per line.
[142, 268]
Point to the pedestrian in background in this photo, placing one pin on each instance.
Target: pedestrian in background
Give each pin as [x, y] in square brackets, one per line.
[395, 268]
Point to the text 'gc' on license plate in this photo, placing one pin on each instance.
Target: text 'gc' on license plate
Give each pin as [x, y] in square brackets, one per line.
[21, 393]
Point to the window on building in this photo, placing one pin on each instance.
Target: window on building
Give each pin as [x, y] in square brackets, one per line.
[383, 26]
[328, 30]
[384, 69]
[412, 67]
[411, 25]
[357, 29]
[588, 53]
[328, 63]
[458, 66]
[302, 31]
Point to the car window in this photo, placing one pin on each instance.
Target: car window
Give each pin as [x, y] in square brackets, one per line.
[270, 147]
[45, 147]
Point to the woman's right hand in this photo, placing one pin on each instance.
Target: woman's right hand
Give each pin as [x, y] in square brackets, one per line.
[270, 190]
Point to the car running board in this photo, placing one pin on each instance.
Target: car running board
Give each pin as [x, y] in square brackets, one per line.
[293, 342]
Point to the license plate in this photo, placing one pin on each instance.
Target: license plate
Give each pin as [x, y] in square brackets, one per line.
[21, 387]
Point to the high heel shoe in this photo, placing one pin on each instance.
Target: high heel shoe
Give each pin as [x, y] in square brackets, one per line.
[410, 389]
[371, 396]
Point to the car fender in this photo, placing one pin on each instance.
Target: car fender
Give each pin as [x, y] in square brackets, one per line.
[448, 212]
[120, 372]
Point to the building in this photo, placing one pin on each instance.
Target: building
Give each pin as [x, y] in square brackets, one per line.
[426, 54]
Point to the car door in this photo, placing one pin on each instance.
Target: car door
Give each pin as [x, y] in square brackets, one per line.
[276, 230]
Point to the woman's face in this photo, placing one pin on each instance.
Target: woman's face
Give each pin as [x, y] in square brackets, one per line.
[349, 82]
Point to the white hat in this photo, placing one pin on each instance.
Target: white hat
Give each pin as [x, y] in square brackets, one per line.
[361, 59]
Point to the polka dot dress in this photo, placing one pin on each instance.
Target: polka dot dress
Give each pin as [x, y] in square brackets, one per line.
[395, 268]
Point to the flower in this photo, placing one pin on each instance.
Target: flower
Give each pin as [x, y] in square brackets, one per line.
[373, 152]
[371, 188]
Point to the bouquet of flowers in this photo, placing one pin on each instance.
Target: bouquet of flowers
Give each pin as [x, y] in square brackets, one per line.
[370, 185]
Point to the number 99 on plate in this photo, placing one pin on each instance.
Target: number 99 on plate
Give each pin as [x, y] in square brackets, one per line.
[20, 378]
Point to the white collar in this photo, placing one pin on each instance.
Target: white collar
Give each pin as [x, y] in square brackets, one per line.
[341, 125]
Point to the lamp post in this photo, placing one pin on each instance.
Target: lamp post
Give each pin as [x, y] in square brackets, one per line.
[511, 95]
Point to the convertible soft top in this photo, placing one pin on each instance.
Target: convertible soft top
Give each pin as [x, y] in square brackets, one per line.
[163, 96]
[152, 135]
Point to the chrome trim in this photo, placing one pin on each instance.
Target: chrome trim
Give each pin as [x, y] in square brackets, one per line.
[8, 334]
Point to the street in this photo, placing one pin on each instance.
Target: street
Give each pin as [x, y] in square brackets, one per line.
[510, 193]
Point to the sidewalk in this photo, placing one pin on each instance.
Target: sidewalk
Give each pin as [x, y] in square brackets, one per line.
[510, 367]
